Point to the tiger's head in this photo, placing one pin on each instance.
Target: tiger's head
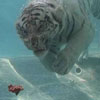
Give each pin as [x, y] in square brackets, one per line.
[39, 24]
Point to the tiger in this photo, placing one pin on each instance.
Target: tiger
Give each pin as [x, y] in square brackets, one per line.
[58, 31]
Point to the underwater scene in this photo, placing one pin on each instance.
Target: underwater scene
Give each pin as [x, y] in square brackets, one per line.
[49, 50]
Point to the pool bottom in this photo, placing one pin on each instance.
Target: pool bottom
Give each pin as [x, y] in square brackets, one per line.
[40, 84]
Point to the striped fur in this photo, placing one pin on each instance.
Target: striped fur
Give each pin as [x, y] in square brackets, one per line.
[46, 26]
[95, 8]
[91, 6]
[36, 24]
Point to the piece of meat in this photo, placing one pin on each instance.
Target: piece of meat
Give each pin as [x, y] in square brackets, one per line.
[15, 88]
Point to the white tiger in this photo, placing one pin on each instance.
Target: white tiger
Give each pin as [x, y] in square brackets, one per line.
[58, 30]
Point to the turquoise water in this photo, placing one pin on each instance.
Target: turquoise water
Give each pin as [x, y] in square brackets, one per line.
[10, 44]
[18, 65]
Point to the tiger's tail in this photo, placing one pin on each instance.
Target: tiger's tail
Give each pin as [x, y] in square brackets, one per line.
[95, 8]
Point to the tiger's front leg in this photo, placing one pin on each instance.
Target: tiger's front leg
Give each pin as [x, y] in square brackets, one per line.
[51, 56]
[48, 60]
[69, 55]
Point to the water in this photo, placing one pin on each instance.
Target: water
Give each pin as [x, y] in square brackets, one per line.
[18, 65]
[10, 44]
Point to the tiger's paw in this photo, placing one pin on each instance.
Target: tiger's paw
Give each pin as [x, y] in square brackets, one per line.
[60, 64]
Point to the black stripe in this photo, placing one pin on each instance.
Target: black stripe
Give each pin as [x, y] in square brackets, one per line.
[66, 70]
[58, 21]
[24, 18]
[80, 6]
[60, 37]
[72, 29]
[41, 8]
[36, 14]
[82, 25]
[84, 5]
[53, 51]
[72, 25]
[25, 22]
[51, 5]
[68, 23]
[89, 3]
[48, 19]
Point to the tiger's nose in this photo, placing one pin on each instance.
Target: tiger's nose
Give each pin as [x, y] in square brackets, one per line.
[35, 41]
